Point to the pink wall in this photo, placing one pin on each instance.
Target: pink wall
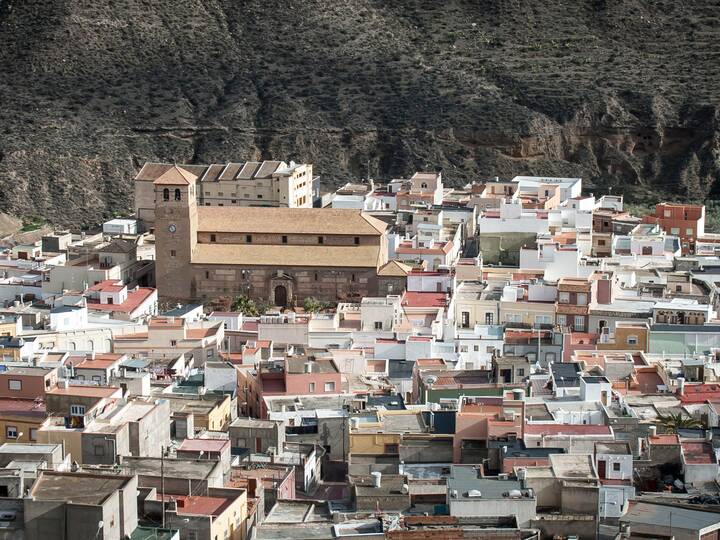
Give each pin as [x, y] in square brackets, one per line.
[299, 383]
[509, 463]
[33, 386]
[569, 347]
[474, 424]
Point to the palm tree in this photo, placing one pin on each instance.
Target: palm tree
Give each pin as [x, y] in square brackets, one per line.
[674, 421]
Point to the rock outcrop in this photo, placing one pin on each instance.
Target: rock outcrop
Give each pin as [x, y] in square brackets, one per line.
[623, 94]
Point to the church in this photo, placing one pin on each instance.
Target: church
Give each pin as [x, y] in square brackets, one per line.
[282, 255]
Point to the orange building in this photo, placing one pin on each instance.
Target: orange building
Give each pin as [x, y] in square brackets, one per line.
[687, 221]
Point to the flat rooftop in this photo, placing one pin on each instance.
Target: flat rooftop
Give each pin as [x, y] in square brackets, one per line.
[177, 468]
[78, 488]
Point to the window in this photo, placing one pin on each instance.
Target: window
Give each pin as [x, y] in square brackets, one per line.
[321, 239]
[521, 372]
[476, 348]
[543, 319]
[352, 277]
[675, 230]
[564, 297]
[465, 319]
[562, 320]
[632, 340]
[330, 386]
[579, 323]
[601, 242]
[581, 299]
[210, 353]
[678, 288]
[616, 467]
[11, 432]
[311, 387]
[689, 232]
[213, 238]
[284, 239]
[178, 195]
[315, 276]
[220, 194]
[248, 238]
[668, 213]
[166, 194]
[207, 274]
[378, 325]
[97, 378]
[357, 240]
[259, 196]
[173, 252]
[77, 410]
[423, 185]
[14, 384]
[489, 318]
[391, 449]
[33, 434]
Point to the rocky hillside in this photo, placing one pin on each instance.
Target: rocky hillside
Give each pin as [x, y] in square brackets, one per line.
[624, 94]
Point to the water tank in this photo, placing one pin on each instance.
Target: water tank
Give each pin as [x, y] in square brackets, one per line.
[377, 478]
[518, 394]
[515, 494]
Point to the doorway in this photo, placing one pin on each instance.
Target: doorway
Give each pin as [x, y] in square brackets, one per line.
[280, 296]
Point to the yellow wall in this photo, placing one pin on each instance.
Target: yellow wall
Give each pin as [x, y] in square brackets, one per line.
[526, 310]
[10, 354]
[232, 522]
[8, 329]
[219, 418]
[372, 443]
[620, 343]
[23, 426]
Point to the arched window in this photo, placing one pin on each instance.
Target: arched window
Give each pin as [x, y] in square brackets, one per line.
[177, 194]
[72, 346]
[91, 345]
[166, 194]
[423, 185]
[108, 345]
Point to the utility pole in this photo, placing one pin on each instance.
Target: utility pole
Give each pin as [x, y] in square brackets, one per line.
[162, 484]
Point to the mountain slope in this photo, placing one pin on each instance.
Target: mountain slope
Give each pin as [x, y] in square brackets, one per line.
[621, 93]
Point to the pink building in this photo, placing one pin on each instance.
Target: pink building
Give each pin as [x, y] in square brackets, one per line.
[480, 419]
[27, 382]
[296, 375]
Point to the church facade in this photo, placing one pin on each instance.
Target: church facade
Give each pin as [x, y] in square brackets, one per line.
[282, 255]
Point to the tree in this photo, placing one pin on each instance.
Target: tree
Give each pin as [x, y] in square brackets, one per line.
[674, 421]
[246, 306]
[313, 305]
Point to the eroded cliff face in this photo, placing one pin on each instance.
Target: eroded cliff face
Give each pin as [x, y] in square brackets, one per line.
[622, 94]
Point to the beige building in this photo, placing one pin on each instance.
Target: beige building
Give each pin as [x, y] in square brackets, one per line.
[283, 255]
[252, 183]
[169, 337]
